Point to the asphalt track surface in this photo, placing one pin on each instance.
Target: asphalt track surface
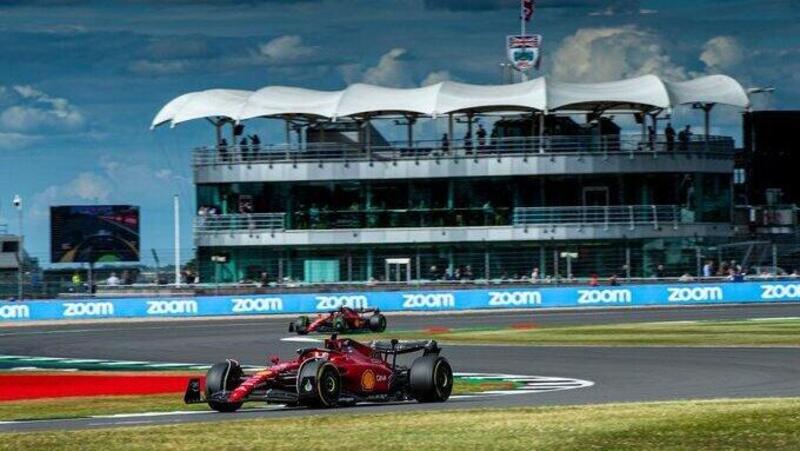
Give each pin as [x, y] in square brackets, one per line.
[620, 374]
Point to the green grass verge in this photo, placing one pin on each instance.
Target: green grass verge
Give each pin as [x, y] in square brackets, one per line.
[724, 424]
[700, 333]
[52, 408]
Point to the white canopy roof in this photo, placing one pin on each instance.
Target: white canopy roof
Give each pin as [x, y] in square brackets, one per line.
[637, 94]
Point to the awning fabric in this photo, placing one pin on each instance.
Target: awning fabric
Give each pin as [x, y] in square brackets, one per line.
[637, 94]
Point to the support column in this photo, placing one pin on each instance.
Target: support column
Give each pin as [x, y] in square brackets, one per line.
[542, 262]
[541, 130]
[486, 264]
[288, 130]
[369, 263]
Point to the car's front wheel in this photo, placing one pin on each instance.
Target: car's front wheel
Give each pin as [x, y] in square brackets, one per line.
[318, 383]
[430, 379]
[223, 377]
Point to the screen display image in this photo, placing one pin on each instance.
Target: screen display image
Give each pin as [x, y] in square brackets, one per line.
[94, 233]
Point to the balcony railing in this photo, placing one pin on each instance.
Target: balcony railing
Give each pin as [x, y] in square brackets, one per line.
[240, 222]
[487, 148]
[630, 215]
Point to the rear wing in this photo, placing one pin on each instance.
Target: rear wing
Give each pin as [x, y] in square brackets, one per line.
[395, 346]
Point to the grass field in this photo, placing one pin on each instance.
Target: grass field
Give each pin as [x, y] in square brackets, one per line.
[52, 408]
[725, 424]
[777, 332]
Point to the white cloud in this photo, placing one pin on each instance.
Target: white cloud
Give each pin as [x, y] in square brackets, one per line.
[722, 52]
[605, 54]
[286, 48]
[147, 67]
[436, 77]
[26, 109]
[392, 70]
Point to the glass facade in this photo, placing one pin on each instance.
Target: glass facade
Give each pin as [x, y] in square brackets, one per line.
[459, 202]
[495, 261]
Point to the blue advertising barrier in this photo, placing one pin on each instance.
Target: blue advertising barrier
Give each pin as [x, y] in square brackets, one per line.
[535, 297]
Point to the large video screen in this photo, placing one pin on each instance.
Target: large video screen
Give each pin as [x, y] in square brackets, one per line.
[94, 233]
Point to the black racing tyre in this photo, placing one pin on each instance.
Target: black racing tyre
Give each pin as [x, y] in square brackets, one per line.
[301, 325]
[377, 323]
[430, 379]
[223, 376]
[340, 325]
[318, 383]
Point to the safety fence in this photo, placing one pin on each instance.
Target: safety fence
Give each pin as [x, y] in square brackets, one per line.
[409, 300]
[630, 145]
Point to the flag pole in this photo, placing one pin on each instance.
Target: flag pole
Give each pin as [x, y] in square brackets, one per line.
[522, 74]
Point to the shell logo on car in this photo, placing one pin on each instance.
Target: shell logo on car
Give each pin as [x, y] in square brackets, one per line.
[367, 380]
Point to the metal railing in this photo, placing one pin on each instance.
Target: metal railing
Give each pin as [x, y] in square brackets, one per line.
[239, 222]
[475, 149]
[630, 215]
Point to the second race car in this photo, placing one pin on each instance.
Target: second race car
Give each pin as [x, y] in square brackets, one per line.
[345, 319]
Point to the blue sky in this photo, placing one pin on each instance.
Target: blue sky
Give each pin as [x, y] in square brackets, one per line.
[80, 80]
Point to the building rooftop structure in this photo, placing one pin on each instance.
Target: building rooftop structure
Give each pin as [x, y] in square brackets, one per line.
[642, 94]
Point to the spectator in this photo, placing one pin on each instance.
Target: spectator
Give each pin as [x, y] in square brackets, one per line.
[127, 279]
[468, 143]
[263, 281]
[594, 281]
[223, 149]
[686, 277]
[467, 274]
[708, 269]
[481, 134]
[445, 143]
[684, 137]
[669, 132]
[659, 273]
[255, 146]
[651, 137]
[433, 273]
[76, 280]
[613, 280]
[736, 276]
[113, 280]
[795, 273]
[487, 213]
[535, 274]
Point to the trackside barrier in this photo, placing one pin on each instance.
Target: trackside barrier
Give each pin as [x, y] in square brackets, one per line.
[535, 297]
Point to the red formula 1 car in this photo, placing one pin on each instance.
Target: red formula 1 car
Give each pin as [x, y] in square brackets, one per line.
[345, 319]
[343, 372]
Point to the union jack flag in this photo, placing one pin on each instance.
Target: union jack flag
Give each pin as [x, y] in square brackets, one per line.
[527, 9]
[523, 41]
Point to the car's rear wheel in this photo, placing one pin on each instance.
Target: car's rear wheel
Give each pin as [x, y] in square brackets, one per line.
[223, 377]
[377, 323]
[318, 384]
[430, 379]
